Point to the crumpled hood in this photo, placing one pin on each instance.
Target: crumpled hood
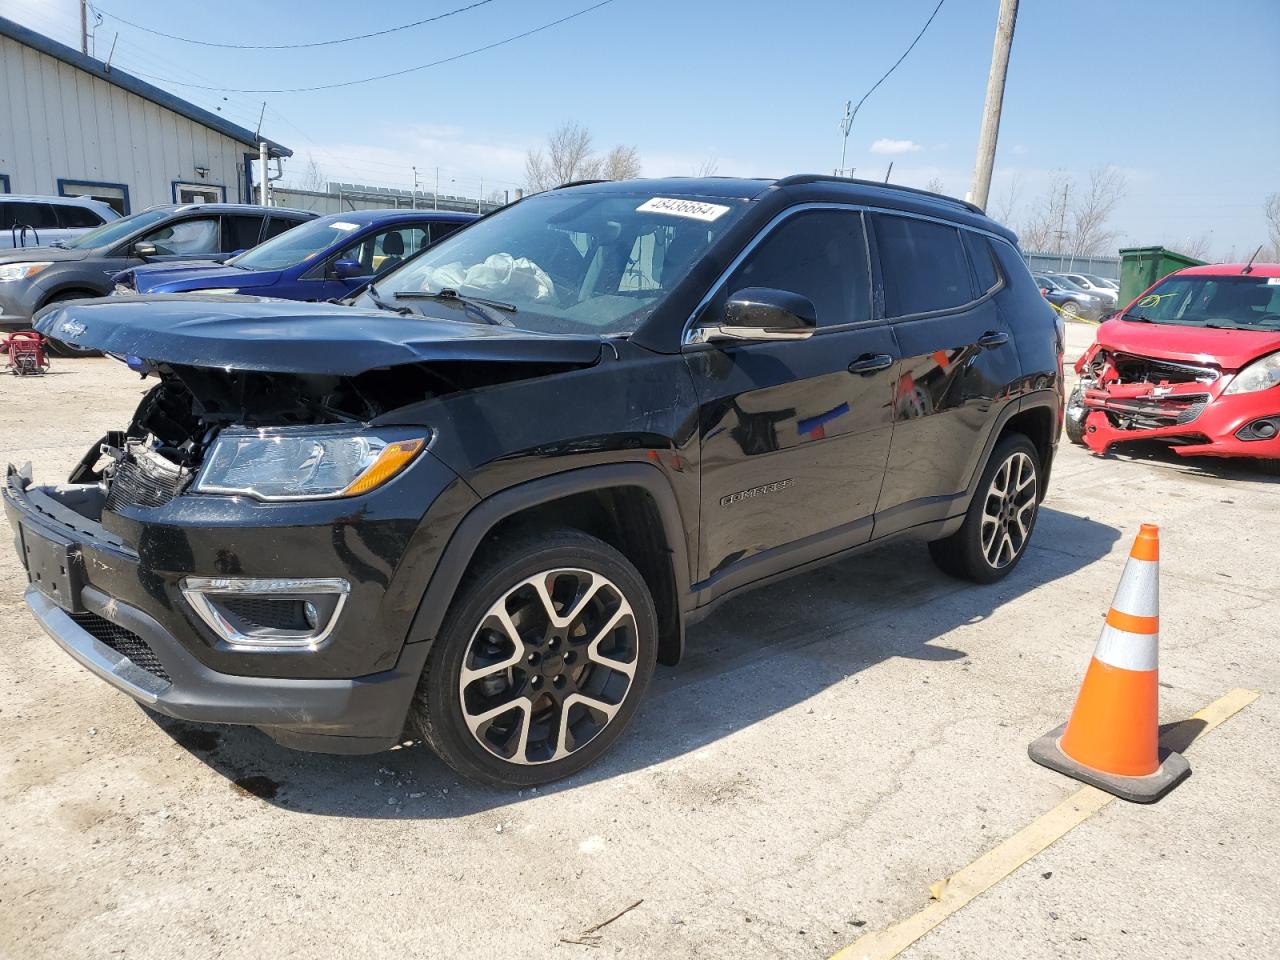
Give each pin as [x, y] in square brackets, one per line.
[183, 277]
[53, 254]
[285, 336]
[1228, 349]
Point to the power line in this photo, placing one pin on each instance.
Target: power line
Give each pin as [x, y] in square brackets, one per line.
[394, 73]
[290, 46]
[847, 122]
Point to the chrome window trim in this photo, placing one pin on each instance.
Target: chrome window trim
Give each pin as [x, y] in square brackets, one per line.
[688, 338]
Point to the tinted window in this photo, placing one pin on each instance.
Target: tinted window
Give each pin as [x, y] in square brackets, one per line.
[441, 229]
[277, 226]
[22, 213]
[77, 217]
[240, 232]
[923, 266]
[197, 235]
[983, 260]
[821, 255]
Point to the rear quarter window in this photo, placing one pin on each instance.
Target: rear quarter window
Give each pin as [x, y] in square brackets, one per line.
[983, 259]
[923, 266]
[74, 218]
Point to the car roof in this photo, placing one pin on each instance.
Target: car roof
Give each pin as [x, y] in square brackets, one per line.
[391, 215]
[230, 208]
[1232, 270]
[808, 187]
[63, 201]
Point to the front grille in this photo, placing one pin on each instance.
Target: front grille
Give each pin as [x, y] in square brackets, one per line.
[122, 641]
[274, 614]
[131, 486]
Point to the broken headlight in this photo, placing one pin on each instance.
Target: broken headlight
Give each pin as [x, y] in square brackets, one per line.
[303, 463]
[1259, 375]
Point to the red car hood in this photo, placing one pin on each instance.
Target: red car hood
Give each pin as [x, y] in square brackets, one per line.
[1228, 349]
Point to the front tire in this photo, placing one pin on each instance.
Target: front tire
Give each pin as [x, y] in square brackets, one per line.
[541, 662]
[1071, 310]
[1073, 422]
[1001, 518]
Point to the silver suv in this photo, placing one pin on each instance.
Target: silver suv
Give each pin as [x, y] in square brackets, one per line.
[29, 221]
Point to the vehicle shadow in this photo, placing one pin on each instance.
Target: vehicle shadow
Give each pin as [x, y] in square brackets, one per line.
[837, 621]
[1222, 468]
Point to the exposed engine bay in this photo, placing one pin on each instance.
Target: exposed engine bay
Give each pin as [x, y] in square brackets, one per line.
[1121, 393]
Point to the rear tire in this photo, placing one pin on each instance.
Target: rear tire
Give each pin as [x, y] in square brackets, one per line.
[59, 347]
[571, 677]
[1001, 518]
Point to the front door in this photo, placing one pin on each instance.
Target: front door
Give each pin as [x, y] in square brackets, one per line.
[958, 358]
[795, 434]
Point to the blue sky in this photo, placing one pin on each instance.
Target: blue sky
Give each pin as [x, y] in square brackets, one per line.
[1180, 95]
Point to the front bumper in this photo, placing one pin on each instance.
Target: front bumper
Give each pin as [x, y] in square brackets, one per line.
[1208, 424]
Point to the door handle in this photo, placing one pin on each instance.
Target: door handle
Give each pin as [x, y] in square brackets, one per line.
[870, 363]
[993, 338]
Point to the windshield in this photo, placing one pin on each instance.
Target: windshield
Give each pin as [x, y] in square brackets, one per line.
[569, 262]
[1067, 284]
[116, 230]
[294, 246]
[1237, 303]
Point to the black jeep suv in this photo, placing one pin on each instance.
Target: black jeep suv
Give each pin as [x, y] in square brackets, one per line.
[492, 493]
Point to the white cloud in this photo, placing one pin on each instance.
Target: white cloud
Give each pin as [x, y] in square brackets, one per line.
[888, 145]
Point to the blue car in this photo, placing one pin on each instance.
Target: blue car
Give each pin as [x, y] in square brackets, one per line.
[322, 259]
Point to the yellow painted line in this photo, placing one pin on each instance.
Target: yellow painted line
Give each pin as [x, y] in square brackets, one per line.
[993, 866]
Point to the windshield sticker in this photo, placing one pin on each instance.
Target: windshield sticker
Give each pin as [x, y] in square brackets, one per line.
[693, 209]
[343, 225]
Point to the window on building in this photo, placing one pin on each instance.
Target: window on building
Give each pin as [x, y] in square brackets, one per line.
[821, 255]
[4, 183]
[114, 195]
[922, 265]
[199, 193]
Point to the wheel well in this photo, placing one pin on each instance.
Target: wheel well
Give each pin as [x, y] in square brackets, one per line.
[1036, 424]
[68, 293]
[627, 519]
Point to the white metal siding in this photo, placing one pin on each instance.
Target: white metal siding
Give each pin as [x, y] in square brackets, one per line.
[59, 122]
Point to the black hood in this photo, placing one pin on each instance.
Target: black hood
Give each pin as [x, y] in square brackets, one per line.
[54, 254]
[284, 336]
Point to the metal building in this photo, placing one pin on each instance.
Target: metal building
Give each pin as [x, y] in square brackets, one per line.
[71, 125]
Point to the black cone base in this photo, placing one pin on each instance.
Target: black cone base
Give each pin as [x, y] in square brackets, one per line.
[1173, 770]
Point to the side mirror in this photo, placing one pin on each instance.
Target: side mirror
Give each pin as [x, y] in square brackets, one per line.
[145, 251]
[346, 270]
[762, 313]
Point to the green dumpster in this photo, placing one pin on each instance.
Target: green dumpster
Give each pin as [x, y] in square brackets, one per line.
[1140, 267]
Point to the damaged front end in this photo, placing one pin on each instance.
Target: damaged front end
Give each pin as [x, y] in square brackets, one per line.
[1123, 397]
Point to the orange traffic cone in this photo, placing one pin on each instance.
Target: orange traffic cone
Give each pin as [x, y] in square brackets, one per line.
[1112, 738]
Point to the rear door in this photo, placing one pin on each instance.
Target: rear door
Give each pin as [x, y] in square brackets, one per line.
[794, 434]
[958, 361]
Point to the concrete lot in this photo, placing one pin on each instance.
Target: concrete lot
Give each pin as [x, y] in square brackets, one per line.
[831, 747]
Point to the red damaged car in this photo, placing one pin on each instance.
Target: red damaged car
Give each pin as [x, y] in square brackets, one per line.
[1194, 362]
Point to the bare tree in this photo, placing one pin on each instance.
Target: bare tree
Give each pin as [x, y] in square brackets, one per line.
[1271, 210]
[1007, 202]
[1092, 211]
[568, 157]
[1044, 229]
[707, 168]
[620, 163]
[1197, 247]
[313, 177]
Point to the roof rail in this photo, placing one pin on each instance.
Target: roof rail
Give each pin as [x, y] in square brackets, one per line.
[802, 178]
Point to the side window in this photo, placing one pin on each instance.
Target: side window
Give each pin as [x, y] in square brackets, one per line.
[240, 232]
[22, 213]
[385, 250]
[820, 254]
[983, 259]
[77, 217]
[277, 226]
[198, 235]
[441, 229]
[923, 266]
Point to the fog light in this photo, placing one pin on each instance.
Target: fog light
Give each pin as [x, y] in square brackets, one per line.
[1265, 429]
[266, 615]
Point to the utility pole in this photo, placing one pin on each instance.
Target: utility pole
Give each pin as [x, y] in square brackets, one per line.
[1062, 221]
[846, 123]
[84, 27]
[480, 199]
[436, 196]
[262, 163]
[415, 187]
[990, 131]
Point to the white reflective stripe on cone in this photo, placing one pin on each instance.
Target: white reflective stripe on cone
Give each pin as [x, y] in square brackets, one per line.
[1128, 651]
[1139, 590]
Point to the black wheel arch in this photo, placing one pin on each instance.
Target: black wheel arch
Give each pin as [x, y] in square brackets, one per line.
[656, 544]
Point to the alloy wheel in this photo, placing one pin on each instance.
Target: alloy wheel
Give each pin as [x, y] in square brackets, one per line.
[549, 666]
[1009, 510]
